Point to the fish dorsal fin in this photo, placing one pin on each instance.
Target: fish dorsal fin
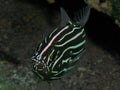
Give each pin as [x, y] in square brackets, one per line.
[82, 15]
[64, 17]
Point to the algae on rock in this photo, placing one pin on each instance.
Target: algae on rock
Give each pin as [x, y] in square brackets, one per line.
[110, 7]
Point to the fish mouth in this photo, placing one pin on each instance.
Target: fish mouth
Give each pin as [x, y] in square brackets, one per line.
[35, 61]
[33, 58]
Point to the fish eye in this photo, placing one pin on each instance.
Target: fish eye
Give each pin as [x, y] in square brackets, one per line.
[38, 57]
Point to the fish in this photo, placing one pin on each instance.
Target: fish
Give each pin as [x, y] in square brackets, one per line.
[62, 48]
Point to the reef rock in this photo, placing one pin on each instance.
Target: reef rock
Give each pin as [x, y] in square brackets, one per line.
[110, 7]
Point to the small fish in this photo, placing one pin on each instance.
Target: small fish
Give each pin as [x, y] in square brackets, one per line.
[62, 48]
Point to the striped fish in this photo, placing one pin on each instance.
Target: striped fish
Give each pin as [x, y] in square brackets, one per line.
[61, 49]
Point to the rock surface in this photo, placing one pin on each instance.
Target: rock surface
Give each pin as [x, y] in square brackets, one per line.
[110, 7]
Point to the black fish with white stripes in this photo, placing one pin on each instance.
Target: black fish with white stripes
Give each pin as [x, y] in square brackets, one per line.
[62, 48]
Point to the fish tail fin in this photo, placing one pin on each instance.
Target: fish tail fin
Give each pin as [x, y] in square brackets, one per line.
[82, 15]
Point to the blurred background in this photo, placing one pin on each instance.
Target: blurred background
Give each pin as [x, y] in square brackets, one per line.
[25, 23]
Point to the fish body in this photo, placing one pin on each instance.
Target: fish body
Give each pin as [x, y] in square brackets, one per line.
[59, 51]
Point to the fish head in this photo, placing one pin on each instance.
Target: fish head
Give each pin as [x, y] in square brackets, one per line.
[39, 62]
[40, 67]
[36, 57]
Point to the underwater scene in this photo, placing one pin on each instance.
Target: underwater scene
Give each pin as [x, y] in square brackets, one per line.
[59, 45]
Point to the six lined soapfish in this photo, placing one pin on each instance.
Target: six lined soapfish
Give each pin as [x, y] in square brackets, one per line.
[62, 48]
